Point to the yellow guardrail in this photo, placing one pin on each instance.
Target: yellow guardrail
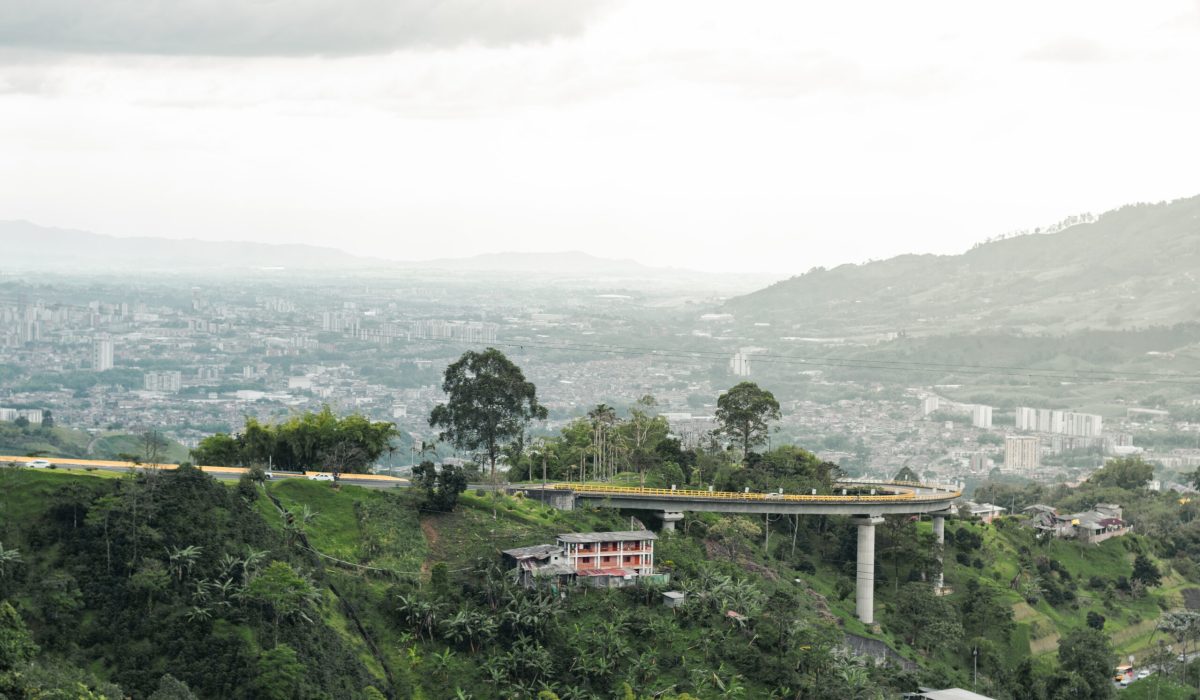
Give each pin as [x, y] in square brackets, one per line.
[72, 462]
[736, 496]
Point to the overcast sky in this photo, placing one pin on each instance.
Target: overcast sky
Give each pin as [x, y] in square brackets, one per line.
[747, 136]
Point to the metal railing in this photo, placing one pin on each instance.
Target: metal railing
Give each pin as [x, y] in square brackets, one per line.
[906, 496]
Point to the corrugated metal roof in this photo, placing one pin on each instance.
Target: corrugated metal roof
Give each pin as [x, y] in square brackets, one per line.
[621, 536]
[950, 694]
[605, 572]
[540, 551]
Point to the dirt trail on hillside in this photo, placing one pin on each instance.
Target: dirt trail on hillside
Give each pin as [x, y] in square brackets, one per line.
[431, 536]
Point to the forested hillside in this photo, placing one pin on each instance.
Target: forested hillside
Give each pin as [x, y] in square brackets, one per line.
[1131, 267]
[303, 589]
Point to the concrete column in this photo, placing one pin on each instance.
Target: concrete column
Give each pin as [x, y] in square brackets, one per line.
[939, 534]
[864, 595]
[669, 518]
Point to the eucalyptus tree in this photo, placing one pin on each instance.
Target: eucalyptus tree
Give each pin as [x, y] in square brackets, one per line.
[745, 412]
[489, 403]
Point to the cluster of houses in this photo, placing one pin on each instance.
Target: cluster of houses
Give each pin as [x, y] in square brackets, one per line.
[1092, 526]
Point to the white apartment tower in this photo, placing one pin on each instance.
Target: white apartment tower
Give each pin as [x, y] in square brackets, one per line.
[102, 354]
[981, 416]
[739, 364]
[169, 382]
[1022, 453]
[1046, 420]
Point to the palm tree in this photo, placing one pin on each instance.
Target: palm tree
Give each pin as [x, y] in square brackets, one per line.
[227, 563]
[461, 628]
[183, 559]
[251, 562]
[441, 662]
[202, 589]
[8, 558]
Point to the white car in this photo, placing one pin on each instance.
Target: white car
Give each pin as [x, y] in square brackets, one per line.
[1144, 673]
[320, 477]
[39, 464]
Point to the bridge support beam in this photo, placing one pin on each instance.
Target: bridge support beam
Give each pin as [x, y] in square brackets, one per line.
[864, 595]
[669, 518]
[939, 534]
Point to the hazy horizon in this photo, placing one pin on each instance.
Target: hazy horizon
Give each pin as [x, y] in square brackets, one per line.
[767, 138]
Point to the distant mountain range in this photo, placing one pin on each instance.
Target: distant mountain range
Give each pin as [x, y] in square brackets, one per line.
[1132, 267]
[28, 246]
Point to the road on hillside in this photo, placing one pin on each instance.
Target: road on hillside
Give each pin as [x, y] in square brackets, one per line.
[371, 481]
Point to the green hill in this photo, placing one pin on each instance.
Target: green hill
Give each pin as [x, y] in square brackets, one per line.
[302, 589]
[1131, 267]
[58, 441]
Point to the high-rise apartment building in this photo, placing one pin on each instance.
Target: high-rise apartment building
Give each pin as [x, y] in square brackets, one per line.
[1046, 420]
[167, 382]
[930, 404]
[1022, 453]
[1082, 424]
[739, 364]
[981, 416]
[102, 354]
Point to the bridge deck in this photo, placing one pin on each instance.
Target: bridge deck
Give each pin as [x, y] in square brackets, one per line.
[900, 498]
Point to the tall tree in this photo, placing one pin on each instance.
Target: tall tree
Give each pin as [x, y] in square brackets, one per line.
[1087, 653]
[489, 403]
[1123, 472]
[603, 418]
[645, 431]
[744, 412]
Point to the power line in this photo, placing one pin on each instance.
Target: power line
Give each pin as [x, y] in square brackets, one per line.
[1077, 376]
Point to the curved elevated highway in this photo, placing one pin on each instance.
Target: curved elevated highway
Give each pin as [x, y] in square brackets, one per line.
[884, 498]
[866, 510]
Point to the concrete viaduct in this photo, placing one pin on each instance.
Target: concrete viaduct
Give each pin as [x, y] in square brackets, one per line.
[867, 504]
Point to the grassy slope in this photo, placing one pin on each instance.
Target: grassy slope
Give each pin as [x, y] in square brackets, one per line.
[1129, 623]
[381, 529]
[74, 443]
[1157, 688]
[24, 492]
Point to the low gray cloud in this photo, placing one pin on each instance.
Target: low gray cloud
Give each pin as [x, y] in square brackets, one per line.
[1072, 50]
[283, 27]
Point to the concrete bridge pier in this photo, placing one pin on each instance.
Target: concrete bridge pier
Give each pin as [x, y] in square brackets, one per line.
[669, 518]
[864, 595]
[939, 534]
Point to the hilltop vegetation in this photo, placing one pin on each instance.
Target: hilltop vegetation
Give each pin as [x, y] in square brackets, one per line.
[1085, 276]
[57, 441]
[302, 589]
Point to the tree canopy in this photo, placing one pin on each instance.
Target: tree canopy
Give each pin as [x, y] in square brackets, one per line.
[1123, 472]
[489, 403]
[306, 441]
[1087, 655]
[441, 485]
[744, 413]
[787, 467]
